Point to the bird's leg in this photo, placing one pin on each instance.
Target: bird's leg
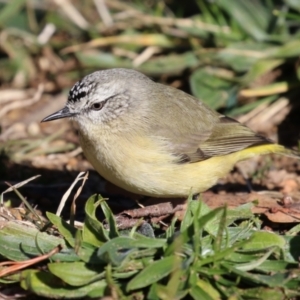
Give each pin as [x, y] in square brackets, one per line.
[142, 199]
[246, 178]
[196, 196]
[245, 168]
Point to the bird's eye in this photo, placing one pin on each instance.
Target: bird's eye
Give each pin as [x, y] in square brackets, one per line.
[97, 106]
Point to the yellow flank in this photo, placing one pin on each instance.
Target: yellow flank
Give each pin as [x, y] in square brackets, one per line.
[264, 149]
[150, 172]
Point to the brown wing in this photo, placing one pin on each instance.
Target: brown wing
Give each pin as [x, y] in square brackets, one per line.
[227, 136]
[193, 131]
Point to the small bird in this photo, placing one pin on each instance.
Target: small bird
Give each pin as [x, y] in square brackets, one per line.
[155, 140]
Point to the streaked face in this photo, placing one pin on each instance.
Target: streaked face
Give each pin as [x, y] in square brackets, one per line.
[90, 101]
[103, 96]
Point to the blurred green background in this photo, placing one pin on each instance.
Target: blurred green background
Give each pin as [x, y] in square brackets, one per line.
[226, 49]
[236, 55]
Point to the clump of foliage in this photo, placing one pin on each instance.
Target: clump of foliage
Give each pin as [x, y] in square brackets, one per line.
[212, 254]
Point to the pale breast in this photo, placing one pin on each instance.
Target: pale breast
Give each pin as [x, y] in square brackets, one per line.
[142, 167]
[134, 166]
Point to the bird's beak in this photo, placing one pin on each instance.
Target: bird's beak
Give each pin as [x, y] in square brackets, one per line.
[63, 113]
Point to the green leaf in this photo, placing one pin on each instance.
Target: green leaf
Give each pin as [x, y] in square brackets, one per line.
[261, 67]
[294, 4]
[291, 250]
[76, 273]
[93, 231]
[214, 91]
[248, 107]
[255, 263]
[204, 219]
[142, 241]
[10, 10]
[219, 256]
[170, 64]
[154, 272]
[274, 281]
[239, 233]
[88, 254]
[192, 206]
[119, 249]
[239, 213]
[240, 56]
[275, 293]
[98, 59]
[197, 292]
[113, 230]
[114, 256]
[289, 49]
[276, 266]
[252, 17]
[208, 288]
[66, 230]
[207, 218]
[175, 285]
[153, 295]
[294, 230]
[20, 242]
[47, 285]
[261, 240]
[221, 231]
[201, 218]
[138, 241]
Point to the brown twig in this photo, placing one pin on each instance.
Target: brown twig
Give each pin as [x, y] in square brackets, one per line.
[20, 265]
[158, 210]
[23, 103]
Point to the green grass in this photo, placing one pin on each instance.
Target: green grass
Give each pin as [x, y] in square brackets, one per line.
[212, 254]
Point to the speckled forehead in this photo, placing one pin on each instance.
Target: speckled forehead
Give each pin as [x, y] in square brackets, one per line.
[80, 90]
[88, 90]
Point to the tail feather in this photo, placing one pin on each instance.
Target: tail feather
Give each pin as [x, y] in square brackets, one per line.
[268, 149]
[290, 152]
